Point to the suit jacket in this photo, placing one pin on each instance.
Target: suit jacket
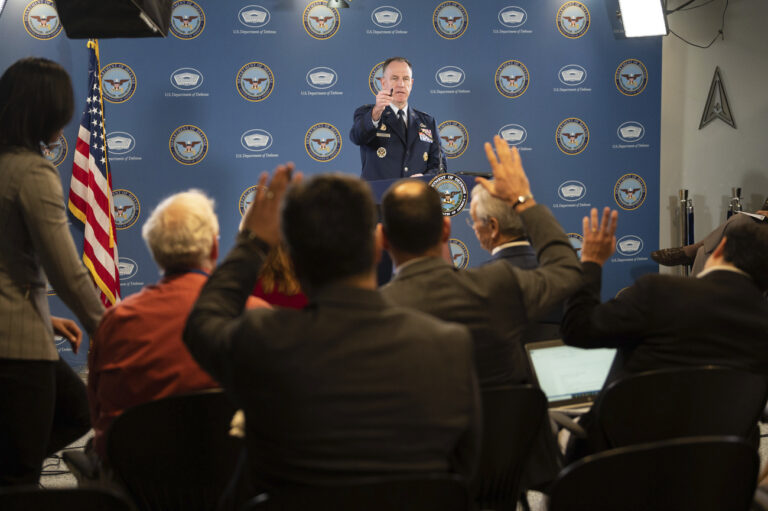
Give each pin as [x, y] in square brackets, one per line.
[522, 256]
[668, 321]
[548, 325]
[665, 321]
[496, 301]
[386, 153]
[36, 243]
[348, 387]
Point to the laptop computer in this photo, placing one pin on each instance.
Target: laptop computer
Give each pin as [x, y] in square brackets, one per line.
[569, 377]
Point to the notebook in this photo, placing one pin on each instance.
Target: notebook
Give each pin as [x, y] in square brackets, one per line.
[569, 377]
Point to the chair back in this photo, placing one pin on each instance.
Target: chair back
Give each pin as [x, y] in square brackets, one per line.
[685, 402]
[175, 453]
[439, 492]
[702, 473]
[69, 499]
[512, 418]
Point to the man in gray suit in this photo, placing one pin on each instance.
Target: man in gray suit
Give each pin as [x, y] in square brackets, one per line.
[499, 230]
[496, 301]
[350, 386]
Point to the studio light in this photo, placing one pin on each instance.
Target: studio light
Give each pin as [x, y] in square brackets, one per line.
[337, 4]
[643, 18]
[2, 4]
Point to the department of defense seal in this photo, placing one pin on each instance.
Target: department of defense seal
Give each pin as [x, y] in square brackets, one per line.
[188, 144]
[452, 191]
[630, 191]
[459, 253]
[454, 138]
[631, 77]
[126, 208]
[374, 78]
[320, 21]
[118, 82]
[55, 152]
[246, 198]
[512, 79]
[41, 20]
[187, 19]
[573, 19]
[572, 136]
[322, 142]
[450, 20]
[255, 81]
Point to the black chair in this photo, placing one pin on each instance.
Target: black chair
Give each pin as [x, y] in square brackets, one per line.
[686, 402]
[512, 418]
[70, 499]
[439, 492]
[703, 474]
[175, 453]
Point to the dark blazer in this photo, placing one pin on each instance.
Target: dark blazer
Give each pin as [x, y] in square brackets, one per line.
[346, 388]
[665, 321]
[548, 325]
[385, 153]
[496, 301]
[522, 256]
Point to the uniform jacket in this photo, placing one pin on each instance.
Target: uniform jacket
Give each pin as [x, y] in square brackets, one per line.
[385, 153]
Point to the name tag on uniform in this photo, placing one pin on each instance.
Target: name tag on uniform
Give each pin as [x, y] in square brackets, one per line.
[425, 135]
[380, 134]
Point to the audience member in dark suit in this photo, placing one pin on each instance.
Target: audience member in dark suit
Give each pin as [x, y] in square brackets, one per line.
[350, 386]
[43, 403]
[137, 354]
[720, 317]
[500, 230]
[495, 301]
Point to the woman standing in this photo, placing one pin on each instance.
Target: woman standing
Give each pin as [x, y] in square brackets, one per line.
[43, 404]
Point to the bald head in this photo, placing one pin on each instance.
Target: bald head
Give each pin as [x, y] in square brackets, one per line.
[412, 217]
[181, 232]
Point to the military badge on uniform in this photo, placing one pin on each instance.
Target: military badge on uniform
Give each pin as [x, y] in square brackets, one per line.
[426, 156]
[383, 127]
[381, 152]
[425, 135]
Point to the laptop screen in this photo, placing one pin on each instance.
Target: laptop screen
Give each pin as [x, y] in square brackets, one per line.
[568, 375]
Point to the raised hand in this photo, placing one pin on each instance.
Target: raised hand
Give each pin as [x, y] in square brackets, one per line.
[262, 218]
[599, 239]
[510, 182]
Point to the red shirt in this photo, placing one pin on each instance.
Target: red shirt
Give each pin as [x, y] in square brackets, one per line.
[137, 354]
[297, 301]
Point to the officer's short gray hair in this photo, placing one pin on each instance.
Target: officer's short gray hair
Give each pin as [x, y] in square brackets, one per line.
[488, 206]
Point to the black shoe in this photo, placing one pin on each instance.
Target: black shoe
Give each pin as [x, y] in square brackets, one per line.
[671, 256]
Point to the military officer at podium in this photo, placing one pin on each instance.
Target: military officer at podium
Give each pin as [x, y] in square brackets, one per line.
[396, 140]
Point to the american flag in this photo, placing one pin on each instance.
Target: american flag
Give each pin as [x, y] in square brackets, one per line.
[90, 190]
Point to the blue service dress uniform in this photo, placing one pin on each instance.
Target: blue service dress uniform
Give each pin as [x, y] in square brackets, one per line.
[384, 151]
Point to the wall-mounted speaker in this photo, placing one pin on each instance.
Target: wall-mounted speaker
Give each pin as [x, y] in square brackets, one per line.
[85, 19]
